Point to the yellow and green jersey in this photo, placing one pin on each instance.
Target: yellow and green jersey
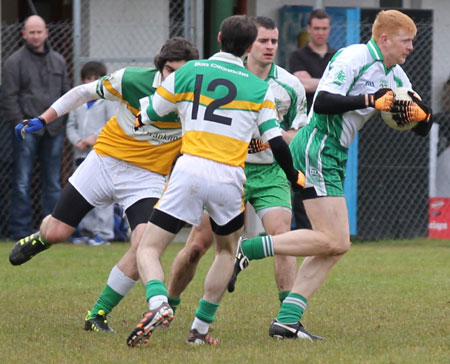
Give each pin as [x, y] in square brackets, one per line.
[219, 103]
[152, 146]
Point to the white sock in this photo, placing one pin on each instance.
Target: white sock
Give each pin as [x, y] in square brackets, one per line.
[201, 326]
[156, 301]
[119, 281]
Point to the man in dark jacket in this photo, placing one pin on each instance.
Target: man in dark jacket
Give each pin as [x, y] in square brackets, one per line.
[33, 77]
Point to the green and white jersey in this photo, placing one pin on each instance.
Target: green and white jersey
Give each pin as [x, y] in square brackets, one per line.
[219, 103]
[355, 70]
[290, 104]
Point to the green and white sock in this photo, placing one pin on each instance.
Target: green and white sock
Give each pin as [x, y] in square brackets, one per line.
[282, 295]
[117, 287]
[174, 302]
[155, 293]
[204, 315]
[201, 326]
[292, 308]
[258, 248]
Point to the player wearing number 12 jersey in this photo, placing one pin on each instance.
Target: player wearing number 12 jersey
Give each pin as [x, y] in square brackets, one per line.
[219, 103]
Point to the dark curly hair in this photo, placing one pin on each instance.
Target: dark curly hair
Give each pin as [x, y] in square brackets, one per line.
[175, 49]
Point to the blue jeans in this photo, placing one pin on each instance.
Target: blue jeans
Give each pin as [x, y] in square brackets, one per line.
[48, 150]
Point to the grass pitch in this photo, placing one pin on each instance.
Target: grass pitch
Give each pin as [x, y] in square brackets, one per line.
[384, 302]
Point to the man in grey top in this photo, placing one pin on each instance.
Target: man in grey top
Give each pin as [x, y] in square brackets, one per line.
[33, 77]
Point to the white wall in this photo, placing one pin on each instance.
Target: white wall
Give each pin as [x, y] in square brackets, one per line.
[132, 28]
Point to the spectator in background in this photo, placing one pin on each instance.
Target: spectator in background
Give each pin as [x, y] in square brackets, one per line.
[309, 61]
[308, 64]
[83, 127]
[33, 77]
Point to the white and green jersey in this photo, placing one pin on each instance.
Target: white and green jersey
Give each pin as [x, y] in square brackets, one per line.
[219, 103]
[290, 104]
[355, 70]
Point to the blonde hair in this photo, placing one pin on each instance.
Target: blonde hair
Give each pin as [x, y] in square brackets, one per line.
[390, 22]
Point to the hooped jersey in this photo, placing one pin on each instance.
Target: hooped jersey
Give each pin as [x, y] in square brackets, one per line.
[219, 103]
[355, 70]
[290, 104]
[152, 146]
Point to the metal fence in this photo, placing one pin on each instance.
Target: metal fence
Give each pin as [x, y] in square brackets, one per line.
[113, 31]
[393, 167]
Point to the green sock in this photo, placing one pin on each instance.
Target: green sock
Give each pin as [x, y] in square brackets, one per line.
[206, 311]
[107, 301]
[258, 248]
[174, 302]
[292, 308]
[155, 288]
[282, 295]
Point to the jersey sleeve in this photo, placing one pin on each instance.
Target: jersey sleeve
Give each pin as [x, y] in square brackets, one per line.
[74, 98]
[110, 87]
[268, 125]
[342, 71]
[162, 102]
[297, 117]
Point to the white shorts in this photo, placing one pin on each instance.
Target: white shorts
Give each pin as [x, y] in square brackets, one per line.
[197, 184]
[102, 180]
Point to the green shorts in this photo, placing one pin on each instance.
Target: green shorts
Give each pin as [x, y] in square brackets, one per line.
[266, 186]
[322, 159]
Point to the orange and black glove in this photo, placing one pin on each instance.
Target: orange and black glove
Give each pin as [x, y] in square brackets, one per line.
[301, 179]
[382, 100]
[138, 121]
[406, 111]
[256, 145]
[297, 181]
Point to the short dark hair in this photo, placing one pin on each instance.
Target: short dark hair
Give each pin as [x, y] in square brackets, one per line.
[265, 22]
[175, 49]
[93, 68]
[318, 14]
[238, 32]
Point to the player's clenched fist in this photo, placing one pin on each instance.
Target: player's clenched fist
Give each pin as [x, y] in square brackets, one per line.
[301, 179]
[28, 126]
[138, 121]
[297, 181]
[382, 100]
[256, 145]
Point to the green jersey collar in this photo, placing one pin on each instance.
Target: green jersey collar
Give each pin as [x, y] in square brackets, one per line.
[273, 73]
[376, 54]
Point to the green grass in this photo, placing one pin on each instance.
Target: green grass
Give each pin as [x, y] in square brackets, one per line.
[384, 302]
